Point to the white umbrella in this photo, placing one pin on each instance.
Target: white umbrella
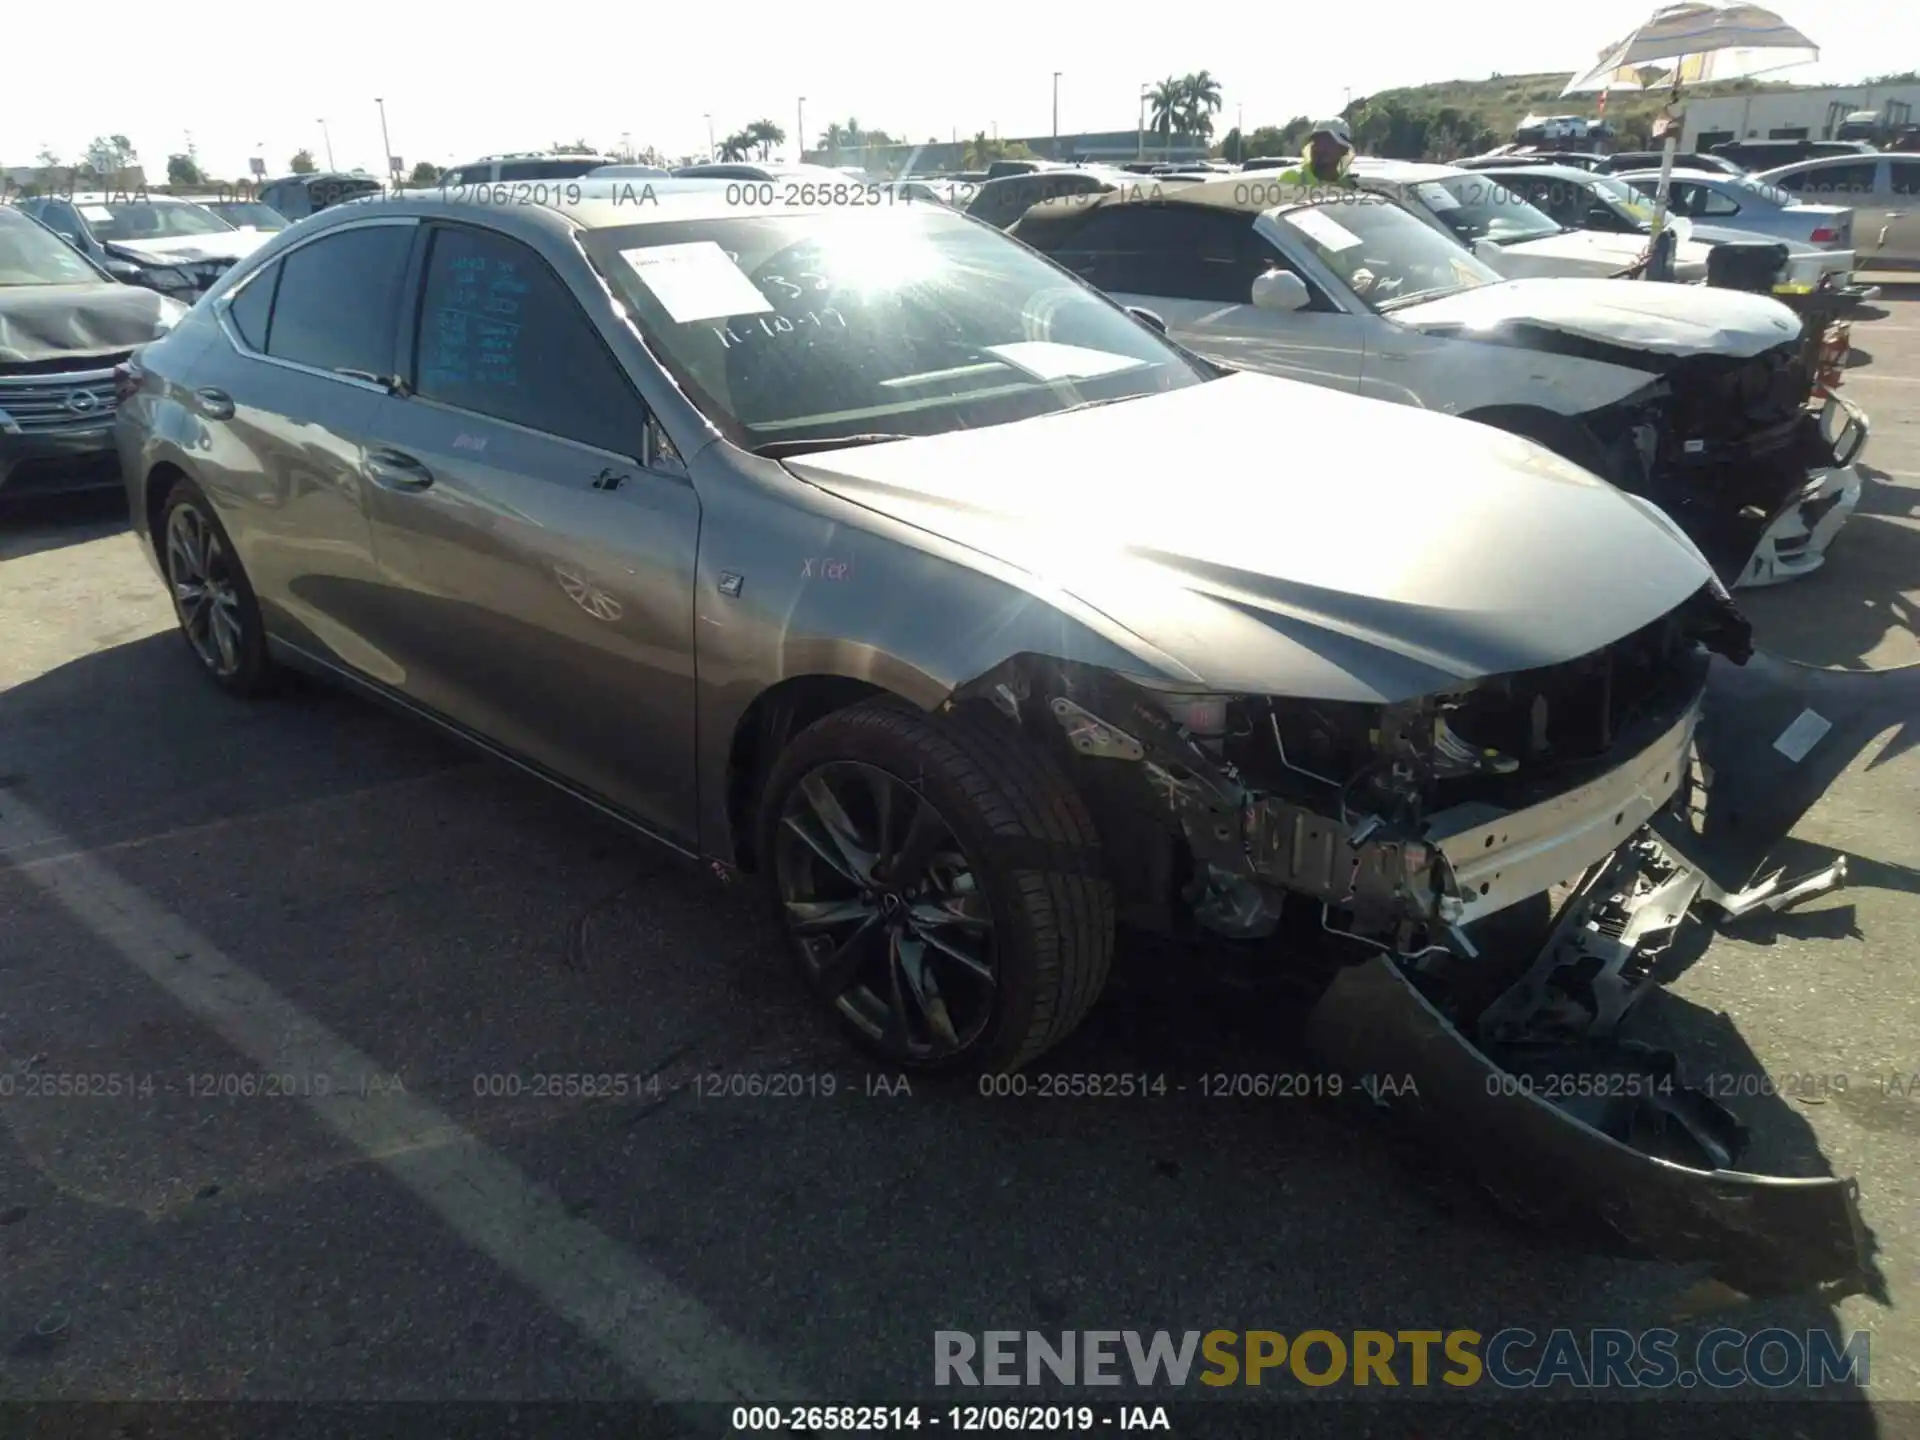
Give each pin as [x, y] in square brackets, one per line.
[1694, 43]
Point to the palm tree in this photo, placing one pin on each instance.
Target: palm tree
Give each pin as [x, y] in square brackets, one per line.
[763, 135]
[1168, 102]
[832, 138]
[736, 146]
[1201, 102]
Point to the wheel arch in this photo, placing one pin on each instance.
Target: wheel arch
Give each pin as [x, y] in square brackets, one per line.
[161, 479]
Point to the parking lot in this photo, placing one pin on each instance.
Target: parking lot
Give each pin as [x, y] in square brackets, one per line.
[224, 905]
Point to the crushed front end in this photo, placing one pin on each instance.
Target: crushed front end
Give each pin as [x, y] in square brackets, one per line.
[1393, 831]
[1756, 457]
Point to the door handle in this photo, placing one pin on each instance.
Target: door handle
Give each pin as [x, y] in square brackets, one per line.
[214, 404]
[391, 470]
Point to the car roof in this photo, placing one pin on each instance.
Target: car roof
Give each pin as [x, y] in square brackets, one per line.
[1552, 172]
[1227, 192]
[119, 197]
[1705, 177]
[1820, 162]
[1407, 170]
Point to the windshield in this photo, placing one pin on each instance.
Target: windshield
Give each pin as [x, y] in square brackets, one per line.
[1477, 208]
[249, 213]
[31, 255]
[148, 219]
[1386, 255]
[807, 328]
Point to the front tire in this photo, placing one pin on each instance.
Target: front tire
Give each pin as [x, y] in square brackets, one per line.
[212, 598]
[940, 885]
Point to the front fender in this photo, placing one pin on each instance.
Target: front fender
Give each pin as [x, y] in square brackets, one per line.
[793, 582]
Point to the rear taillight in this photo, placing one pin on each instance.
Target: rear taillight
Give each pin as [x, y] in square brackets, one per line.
[126, 381]
[1825, 235]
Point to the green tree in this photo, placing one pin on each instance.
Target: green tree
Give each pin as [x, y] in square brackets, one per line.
[763, 135]
[737, 146]
[1201, 102]
[1231, 145]
[109, 155]
[578, 147]
[833, 138]
[301, 163]
[48, 158]
[181, 170]
[1167, 109]
[425, 172]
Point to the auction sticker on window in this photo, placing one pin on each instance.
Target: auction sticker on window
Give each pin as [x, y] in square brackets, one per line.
[1436, 195]
[99, 214]
[1330, 234]
[696, 281]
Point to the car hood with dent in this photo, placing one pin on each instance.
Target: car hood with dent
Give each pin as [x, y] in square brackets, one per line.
[54, 322]
[1586, 252]
[1280, 538]
[1631, 314]
[189, 249]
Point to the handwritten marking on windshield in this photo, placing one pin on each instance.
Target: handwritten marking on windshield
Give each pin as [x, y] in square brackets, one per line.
[817, 568]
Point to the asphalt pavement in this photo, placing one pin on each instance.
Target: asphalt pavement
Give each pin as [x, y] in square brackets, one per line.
[390, 1075]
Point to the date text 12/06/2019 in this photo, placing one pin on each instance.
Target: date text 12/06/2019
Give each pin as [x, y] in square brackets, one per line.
[962, 1419]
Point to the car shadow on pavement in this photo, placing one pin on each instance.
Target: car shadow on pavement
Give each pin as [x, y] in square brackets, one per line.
[1854, 613]
[33, 524]
[451, 918]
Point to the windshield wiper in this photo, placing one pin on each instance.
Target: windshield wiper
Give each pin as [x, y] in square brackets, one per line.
[1395, 302]
[780, 449]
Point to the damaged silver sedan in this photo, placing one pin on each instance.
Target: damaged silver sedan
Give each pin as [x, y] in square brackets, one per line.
[875, 556]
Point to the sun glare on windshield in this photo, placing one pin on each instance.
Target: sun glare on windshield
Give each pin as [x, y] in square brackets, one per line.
[865, 257]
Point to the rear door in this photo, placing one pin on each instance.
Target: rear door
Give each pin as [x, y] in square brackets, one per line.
[286, 402]
[1902, 215]
[1861, 185]
[536, 531]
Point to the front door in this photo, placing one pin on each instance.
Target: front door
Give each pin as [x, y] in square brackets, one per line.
[536, 534]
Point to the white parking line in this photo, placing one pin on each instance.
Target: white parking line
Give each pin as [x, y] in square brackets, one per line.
[662, 1336]
[1867, 377]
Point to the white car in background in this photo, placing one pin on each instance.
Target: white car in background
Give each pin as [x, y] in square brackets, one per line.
[1517, 239]
[1696, 398]
[1882, 190]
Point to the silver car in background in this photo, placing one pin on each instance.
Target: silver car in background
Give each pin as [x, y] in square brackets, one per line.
[1745, 202]
[1882, 190]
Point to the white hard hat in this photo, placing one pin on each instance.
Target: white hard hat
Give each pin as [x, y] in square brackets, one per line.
[1335, 129]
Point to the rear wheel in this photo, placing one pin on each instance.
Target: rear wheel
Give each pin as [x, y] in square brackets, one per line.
[212, 599]
[939, 883]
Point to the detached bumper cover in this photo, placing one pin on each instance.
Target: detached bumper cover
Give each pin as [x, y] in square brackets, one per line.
[1795, 542]
[1760, 1234]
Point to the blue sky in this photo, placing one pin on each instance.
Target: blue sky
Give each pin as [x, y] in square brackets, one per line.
[458, 83]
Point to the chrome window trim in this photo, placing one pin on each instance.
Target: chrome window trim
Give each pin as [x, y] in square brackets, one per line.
[653, 462]
[232, 331]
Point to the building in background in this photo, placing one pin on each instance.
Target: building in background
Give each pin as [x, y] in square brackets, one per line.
[1109, 146]
[1810, 114]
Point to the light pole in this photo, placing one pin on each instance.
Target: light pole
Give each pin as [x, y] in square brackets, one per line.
[1140, 149]
[800, 119]
[1054, 154]
[329, 141]
[713, 150]
[386, 145]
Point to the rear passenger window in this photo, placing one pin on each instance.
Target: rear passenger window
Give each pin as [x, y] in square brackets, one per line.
[500, 335]
[1906, 176]
[251, 306]
[337, 299]
[1831, 179]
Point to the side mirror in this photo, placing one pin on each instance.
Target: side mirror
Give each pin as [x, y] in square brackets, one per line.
[73, 240]
[1488, 252]
[1281, 291]
[1147, 317]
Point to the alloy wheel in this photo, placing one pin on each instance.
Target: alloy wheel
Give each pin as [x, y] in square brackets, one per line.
[205, 594]
[887, 911]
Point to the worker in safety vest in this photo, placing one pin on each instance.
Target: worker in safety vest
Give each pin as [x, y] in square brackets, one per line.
[1325, 160]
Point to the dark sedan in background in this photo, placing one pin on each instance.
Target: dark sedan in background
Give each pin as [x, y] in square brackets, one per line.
[64, 324]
